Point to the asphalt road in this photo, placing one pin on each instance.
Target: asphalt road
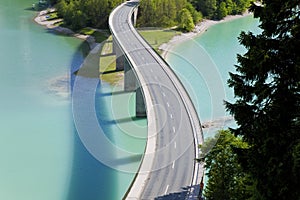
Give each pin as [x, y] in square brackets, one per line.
[173, 165]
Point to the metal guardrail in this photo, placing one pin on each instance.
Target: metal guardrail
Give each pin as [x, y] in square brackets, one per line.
[194, 119]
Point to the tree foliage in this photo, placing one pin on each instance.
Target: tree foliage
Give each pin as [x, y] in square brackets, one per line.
[81, 13]
[167, 13]
[186, 20]
[267, 92]
[218, 9]
[226, 179]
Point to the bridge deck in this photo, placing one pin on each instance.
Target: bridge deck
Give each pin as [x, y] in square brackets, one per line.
[168, 168]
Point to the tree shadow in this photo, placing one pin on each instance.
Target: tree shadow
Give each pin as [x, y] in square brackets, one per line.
[184, 194]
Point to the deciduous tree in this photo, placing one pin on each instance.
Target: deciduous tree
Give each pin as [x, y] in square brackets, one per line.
[186, 20]
[226, 179]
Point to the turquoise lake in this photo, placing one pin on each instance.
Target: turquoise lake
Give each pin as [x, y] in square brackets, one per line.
[204, 63]
[58, 145]
[42, 153]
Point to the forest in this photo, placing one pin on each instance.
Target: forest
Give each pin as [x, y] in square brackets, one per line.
[79, 14]
[186, 13]
[183, 14]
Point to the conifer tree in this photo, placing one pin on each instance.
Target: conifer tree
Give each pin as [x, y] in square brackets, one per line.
[266, 87]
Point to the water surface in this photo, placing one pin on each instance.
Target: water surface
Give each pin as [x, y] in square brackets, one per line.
[204, 64]
[42, 155]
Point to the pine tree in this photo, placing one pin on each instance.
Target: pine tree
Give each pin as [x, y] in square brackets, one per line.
[266, 87]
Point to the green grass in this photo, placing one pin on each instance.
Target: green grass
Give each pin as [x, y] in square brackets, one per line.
[157, 37]
[108, 61]
[108, 64]
[99, 36]
[87, 31]
[60, 23]
[52, 16]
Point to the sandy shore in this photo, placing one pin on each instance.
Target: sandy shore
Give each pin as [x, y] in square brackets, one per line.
[199, 29]
[41, 19]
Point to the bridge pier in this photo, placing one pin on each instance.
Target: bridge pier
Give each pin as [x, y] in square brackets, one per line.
[119, 56]
[140, 107]
[130, 80]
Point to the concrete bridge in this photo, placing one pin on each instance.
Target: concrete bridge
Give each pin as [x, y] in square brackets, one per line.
[168, 168]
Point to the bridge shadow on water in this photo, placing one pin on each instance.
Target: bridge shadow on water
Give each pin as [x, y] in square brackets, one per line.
[90, 179]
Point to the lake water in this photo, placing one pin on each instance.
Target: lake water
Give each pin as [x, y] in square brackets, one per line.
[204, 63]
[87, 145]
[43, 154]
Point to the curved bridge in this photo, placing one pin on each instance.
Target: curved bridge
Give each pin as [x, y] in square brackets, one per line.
[168, 168]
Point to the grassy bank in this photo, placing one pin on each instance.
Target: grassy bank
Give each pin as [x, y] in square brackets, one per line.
[158, 37]
[108, 64]
[107, 60]
[99, 35]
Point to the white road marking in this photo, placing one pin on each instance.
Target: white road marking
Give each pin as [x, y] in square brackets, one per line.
[151, 70]
[168, 104]
[167, 189]
[171, 115]
[175, 145]
[173, 165]
[164, 94]
[174, 130]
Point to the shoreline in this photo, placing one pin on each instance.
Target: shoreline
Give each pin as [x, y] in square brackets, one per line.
[199, 29]
[41, 19]
[165, 47]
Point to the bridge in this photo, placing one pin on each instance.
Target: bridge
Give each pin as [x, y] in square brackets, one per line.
[168, 168]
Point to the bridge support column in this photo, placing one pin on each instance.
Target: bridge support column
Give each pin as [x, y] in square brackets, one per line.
[140, 107]
[130, 82]
[120, 59]
[130, 79]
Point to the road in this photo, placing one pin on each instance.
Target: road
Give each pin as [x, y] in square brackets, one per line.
[171, 115]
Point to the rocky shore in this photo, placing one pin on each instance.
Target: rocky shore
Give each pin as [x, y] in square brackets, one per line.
[41, 19]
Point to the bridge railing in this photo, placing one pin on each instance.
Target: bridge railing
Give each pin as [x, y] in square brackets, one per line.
[196, 125]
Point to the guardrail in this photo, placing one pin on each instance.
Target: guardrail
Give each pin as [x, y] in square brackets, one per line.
[139, 181]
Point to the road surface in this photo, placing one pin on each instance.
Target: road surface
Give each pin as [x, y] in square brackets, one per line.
[172, 117]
